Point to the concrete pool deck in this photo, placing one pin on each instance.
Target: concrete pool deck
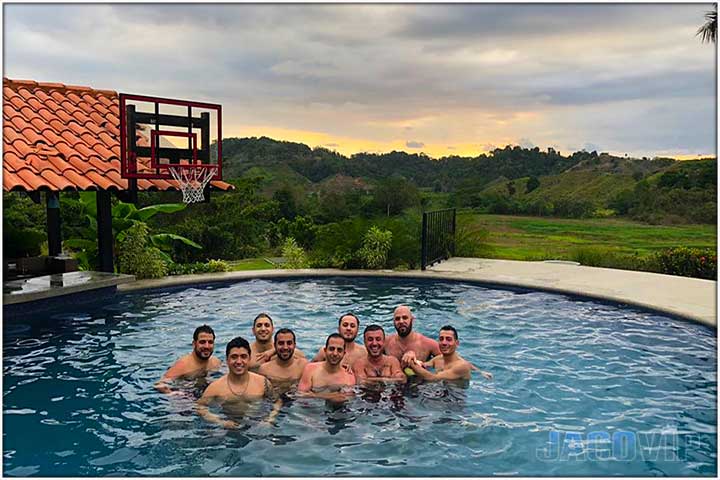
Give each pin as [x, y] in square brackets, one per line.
[690, 298]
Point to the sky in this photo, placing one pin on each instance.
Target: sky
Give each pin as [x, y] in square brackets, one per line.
[442, 79]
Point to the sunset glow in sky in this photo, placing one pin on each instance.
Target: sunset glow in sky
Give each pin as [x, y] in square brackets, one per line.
[440, 79]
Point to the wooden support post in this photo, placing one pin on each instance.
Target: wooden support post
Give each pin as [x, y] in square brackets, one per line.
[52, 206]
[104, 230]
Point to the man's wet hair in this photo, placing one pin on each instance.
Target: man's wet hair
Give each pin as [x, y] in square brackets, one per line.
[349, 314]
[203, 329]
[373, 328]
[263, 315]
[451, 328]
[333, 335]
[237, 342]
[283, 330]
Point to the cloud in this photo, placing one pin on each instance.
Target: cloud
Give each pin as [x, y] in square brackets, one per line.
[488, 147]
[331, 145]
[526, 143]
[413, 144]
[500, 71]
[450, 147]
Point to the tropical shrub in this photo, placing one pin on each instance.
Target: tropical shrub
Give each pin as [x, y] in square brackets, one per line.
[471, 241]
[24, 226]
[301, 228]
[138, 257]
[686, 262]
[124, 217]
[375, 249]
[294, 254]
[211, 266]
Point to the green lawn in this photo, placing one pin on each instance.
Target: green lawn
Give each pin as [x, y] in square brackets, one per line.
[250, 264]
[535, 238]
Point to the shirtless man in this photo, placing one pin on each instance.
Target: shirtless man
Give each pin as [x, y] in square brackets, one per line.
[263, 347]
[327, 375]
[406, 345]
[377, 367]
[348, 327]
[285, 367]
[449, 365]
[196, 363]
[239, 384]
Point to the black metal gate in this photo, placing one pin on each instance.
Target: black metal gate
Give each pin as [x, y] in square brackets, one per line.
[438, 236]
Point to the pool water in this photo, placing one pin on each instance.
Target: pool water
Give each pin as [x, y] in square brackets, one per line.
[580, 388]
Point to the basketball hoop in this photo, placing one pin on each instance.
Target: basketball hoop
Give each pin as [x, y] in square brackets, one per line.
[192, 180]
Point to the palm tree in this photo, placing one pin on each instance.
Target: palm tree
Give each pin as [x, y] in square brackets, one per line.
[708, 32]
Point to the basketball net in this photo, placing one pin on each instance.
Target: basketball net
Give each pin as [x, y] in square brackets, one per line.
[192, 181]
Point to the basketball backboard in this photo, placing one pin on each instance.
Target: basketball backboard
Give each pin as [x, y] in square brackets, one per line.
[159, 133]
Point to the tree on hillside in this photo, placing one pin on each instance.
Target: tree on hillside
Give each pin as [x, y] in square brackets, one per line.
[708, 31]
[393, 195]
[532, 184]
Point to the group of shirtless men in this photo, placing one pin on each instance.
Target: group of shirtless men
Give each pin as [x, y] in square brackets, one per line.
[339, 364]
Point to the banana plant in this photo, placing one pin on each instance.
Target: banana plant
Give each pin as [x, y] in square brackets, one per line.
[124, 216]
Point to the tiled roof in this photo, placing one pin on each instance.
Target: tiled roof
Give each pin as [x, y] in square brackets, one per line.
[63, 137]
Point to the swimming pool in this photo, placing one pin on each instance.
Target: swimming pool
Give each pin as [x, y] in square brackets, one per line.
[580, 388]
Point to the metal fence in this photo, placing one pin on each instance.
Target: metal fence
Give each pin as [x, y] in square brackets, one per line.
[438, 236]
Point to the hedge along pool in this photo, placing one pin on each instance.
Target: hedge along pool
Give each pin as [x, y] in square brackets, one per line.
[580, 388]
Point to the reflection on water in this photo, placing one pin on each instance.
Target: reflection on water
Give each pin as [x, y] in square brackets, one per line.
[79, 397]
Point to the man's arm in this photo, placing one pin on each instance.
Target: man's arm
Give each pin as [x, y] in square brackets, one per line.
[172, 373]
[358, 369]
[396, 373]
[433, 347]
[305, 383]
[201, 407]
[259, 358]
[454, 373]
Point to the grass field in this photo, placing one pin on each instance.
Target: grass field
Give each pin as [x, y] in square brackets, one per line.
[250, 264]
[535, 238]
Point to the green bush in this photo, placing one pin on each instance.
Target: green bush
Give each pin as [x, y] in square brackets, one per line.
[218, 266]
[336, 244]
[138, 257]
[24, 226]
[294, 254]
[198, 267]
[686, 262]
[375, 249]
[471, 241]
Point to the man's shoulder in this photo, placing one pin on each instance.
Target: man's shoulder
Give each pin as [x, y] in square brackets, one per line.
[216, 385]
[266, 367]
[256, 376]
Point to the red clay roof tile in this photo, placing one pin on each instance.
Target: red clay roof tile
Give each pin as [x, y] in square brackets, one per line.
[22, 148]
[55, 180]
[30, 179]
[61, 137]
[80, 181]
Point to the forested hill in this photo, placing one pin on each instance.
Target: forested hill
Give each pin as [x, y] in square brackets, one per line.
[444, 174]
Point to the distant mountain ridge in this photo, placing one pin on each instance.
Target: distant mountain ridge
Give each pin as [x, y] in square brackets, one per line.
[444, 174]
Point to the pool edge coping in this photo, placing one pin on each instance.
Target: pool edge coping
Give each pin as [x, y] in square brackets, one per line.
[188, 280]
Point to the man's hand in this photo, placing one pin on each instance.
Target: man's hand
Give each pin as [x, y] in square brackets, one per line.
[408, 359]
[487, 375]
[262, 357]
[162, 387]
[229, 424]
